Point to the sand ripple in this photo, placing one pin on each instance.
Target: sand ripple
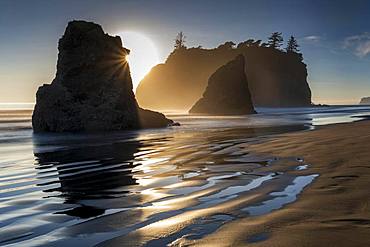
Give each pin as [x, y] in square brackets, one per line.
[138, 189]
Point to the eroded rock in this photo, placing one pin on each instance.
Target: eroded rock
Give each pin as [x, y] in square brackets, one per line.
[276, 78]
[92, 90]
[227, 92]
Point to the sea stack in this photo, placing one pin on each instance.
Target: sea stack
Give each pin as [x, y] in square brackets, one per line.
[365, 101]
[276, 78]
[227, 92]
[92, 89]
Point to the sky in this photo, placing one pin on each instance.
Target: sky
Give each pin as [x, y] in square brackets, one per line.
[334, 36]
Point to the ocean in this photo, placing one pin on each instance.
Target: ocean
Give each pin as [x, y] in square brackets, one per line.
[153, 187]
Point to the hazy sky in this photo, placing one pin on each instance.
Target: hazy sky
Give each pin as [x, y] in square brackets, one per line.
[334, 36]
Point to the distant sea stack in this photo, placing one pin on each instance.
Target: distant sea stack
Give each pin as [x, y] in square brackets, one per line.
[92, 89]
[365, 101]
[227, 92]
[276, 78]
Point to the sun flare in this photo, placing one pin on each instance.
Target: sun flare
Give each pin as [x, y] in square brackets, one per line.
[143, 54]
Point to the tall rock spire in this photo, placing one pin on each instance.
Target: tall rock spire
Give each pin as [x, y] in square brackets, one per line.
[92, 90]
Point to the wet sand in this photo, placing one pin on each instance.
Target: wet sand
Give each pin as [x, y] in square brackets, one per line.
[333, 211]
[237, 181]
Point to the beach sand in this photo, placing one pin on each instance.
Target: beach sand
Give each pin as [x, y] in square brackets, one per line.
[333, 211]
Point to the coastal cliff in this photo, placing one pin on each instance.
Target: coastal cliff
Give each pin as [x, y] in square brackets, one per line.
[227, 92]
[92, 89]
[276, 78]
[365, 101]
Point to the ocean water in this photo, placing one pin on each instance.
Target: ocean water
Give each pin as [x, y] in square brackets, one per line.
[155, 187]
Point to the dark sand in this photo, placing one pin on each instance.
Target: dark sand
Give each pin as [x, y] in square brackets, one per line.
[333, 211]
[206, 187]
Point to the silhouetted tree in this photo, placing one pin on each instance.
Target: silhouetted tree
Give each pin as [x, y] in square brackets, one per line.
[244, 44]
[227, 45]
[275, 40]
[292, 45]
[249, 41]
[256, 43]
[180, 40]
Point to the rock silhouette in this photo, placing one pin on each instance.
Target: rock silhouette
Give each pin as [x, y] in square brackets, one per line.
[92, 90]
[227, 92]
[276, 78]
[365, 101]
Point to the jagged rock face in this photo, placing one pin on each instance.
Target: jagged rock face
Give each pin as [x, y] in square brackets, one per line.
[92, 90]
[365, 101]
[227, 92]
[276, 78]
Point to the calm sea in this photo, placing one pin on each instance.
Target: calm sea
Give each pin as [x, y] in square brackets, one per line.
[153, 187]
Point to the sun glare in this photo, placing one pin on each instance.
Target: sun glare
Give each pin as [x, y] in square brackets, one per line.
[143, 54]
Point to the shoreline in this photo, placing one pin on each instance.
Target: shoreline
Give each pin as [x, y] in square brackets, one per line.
[213, 196]
[333, 211]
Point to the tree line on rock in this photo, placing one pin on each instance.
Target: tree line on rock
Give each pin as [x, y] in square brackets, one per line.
[277, 77]
[275, 41]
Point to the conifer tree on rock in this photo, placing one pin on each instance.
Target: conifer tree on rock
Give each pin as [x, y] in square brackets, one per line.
[275, 40]
[292, 45]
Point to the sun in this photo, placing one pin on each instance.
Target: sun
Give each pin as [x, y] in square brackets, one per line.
[143, 54]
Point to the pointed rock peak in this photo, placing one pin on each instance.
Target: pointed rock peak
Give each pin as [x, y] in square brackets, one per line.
[227, 92]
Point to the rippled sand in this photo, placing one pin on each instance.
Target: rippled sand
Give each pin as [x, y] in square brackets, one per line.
[210, 182]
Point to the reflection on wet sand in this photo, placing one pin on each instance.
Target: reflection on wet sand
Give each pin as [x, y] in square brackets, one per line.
[173, 186]
[146, 188]
[84, 172]
[185, 193]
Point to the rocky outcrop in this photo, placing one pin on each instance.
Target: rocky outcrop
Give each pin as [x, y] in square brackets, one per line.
[365, 101]
[227, 92]
[92, 89]
[276, 78]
